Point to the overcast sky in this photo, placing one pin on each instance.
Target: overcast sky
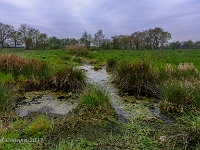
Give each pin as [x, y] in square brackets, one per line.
[70, 18]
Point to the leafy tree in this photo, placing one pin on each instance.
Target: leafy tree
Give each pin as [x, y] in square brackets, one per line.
[54, 43]
[187, 44]
[196, 45]
[175, 45]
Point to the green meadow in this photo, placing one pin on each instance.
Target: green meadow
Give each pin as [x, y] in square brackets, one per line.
[165, 79]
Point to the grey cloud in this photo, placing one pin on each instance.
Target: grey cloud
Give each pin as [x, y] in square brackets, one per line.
[66, 18]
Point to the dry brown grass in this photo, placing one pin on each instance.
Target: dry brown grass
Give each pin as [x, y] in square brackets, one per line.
[75, 48]
[18, 65]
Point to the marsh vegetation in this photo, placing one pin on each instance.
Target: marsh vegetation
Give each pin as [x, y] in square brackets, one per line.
[156, 92]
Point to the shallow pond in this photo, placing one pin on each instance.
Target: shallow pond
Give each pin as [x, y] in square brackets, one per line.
[48, 102]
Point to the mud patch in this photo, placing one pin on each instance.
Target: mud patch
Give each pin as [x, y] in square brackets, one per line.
[51, 103]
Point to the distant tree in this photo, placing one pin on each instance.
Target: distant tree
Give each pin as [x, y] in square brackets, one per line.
[196, 45]
[73, 41]
[126, 42]
[64, 42]
[159, 37]
[98, 38]
[175, 45]
[54, 43]
[15, 38]
[41, 41]
[86, 40]
[115, 41]
[106, 44]
[187, 44]
[137, 39]
[5, 31]
[29, 35]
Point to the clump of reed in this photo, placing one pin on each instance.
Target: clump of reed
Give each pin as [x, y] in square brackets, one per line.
[136, 78]
[93, 97]
[178, 97]
[112, 63]
[68, 79]
[179, 90]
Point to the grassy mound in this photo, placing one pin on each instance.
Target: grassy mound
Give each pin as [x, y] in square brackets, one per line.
[93, 97]
[136, 78]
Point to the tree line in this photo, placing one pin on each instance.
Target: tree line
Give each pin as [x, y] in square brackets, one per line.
[31, 38]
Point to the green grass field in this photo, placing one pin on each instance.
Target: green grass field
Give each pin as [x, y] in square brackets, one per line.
[93, 124]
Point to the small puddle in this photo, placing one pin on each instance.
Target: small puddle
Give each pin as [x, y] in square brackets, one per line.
[131, 110]
[47, 102]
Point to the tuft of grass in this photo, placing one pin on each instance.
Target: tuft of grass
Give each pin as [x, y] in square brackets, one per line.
[6, 101]
[178, 97]
[77, 144]
[39, 127]
[68, 79]
[112, 63]
[93, 97]
[77, 60]
[136, 78]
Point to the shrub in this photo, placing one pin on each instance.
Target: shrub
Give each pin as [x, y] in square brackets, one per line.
[93, 97]
[136, 78]
[68, 79]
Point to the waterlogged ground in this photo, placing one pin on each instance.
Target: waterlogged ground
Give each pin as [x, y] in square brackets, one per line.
[126, 107]
[57, 103]
[51, 103]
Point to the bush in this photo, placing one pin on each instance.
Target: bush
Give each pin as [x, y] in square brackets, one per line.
[136, 78]
[93, 97]
[68, 79]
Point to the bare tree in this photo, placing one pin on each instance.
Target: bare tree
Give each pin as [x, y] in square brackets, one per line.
[86, 39]
[15, 38]
[98, 38]
[29, 35]
[5, 31]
